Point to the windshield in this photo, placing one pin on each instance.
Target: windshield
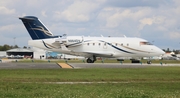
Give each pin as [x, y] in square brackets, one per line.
[145, 43]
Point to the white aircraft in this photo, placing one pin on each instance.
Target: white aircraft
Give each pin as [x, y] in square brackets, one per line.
[88, 47]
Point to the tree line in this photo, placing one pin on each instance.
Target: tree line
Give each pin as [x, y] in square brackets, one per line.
[168, 50]
[6, 47]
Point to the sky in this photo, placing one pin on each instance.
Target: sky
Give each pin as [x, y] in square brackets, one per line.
[157, 21]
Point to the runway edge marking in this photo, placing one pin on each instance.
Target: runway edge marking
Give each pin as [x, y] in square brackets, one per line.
[65, 65]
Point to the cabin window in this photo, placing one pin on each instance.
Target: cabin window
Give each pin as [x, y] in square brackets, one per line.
[99, 44]
[93, 44]
[121, 44]
[88, 44]
[127, 44]
[116, 44]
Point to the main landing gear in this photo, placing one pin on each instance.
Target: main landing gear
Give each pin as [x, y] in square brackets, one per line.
[91, 60]
[138, 61]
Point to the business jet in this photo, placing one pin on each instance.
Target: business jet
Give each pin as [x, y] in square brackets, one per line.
[88, 47]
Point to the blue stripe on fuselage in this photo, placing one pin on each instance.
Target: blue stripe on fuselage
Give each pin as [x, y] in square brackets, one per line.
[105, 42]
[117, 47]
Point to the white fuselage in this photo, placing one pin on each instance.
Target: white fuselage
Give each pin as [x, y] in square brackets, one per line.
[99, 46]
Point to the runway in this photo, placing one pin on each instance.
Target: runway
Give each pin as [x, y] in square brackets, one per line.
[75, 65]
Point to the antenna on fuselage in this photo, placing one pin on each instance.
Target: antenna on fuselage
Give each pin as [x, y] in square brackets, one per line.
[124, 36]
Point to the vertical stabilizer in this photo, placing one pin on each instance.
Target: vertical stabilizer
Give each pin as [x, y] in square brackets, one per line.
[36, 28]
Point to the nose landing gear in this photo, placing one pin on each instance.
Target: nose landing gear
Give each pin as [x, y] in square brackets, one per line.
[149, 62]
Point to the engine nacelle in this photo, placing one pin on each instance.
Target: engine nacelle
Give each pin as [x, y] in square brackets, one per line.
[61, 40]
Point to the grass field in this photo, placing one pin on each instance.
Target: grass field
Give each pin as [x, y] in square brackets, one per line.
[149, 82]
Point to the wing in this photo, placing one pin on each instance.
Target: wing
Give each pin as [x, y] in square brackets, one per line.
[100, 53]
[85, 53]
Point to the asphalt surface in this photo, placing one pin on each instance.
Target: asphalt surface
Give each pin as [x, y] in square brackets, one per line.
[105, 65]
[29, 66]
[75, 65]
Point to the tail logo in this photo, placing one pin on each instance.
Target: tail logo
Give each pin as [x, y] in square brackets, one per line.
[40, 28]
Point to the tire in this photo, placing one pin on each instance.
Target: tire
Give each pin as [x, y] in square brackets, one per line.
[89, 61]
[149, 62]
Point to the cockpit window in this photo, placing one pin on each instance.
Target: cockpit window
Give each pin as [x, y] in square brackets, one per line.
[145, 43]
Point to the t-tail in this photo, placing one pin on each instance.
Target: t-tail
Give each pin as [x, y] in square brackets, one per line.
[36, 28]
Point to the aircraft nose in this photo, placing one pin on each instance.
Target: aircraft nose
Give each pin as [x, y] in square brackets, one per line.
[161, 52]
[158, 51]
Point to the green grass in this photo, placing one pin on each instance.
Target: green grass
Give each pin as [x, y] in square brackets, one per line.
[149, 82]
[133, 90]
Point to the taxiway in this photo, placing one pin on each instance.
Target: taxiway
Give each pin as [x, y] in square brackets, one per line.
[75, 65]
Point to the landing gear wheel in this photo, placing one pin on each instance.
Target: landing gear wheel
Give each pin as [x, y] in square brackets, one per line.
[149, 62]
[90, 61]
